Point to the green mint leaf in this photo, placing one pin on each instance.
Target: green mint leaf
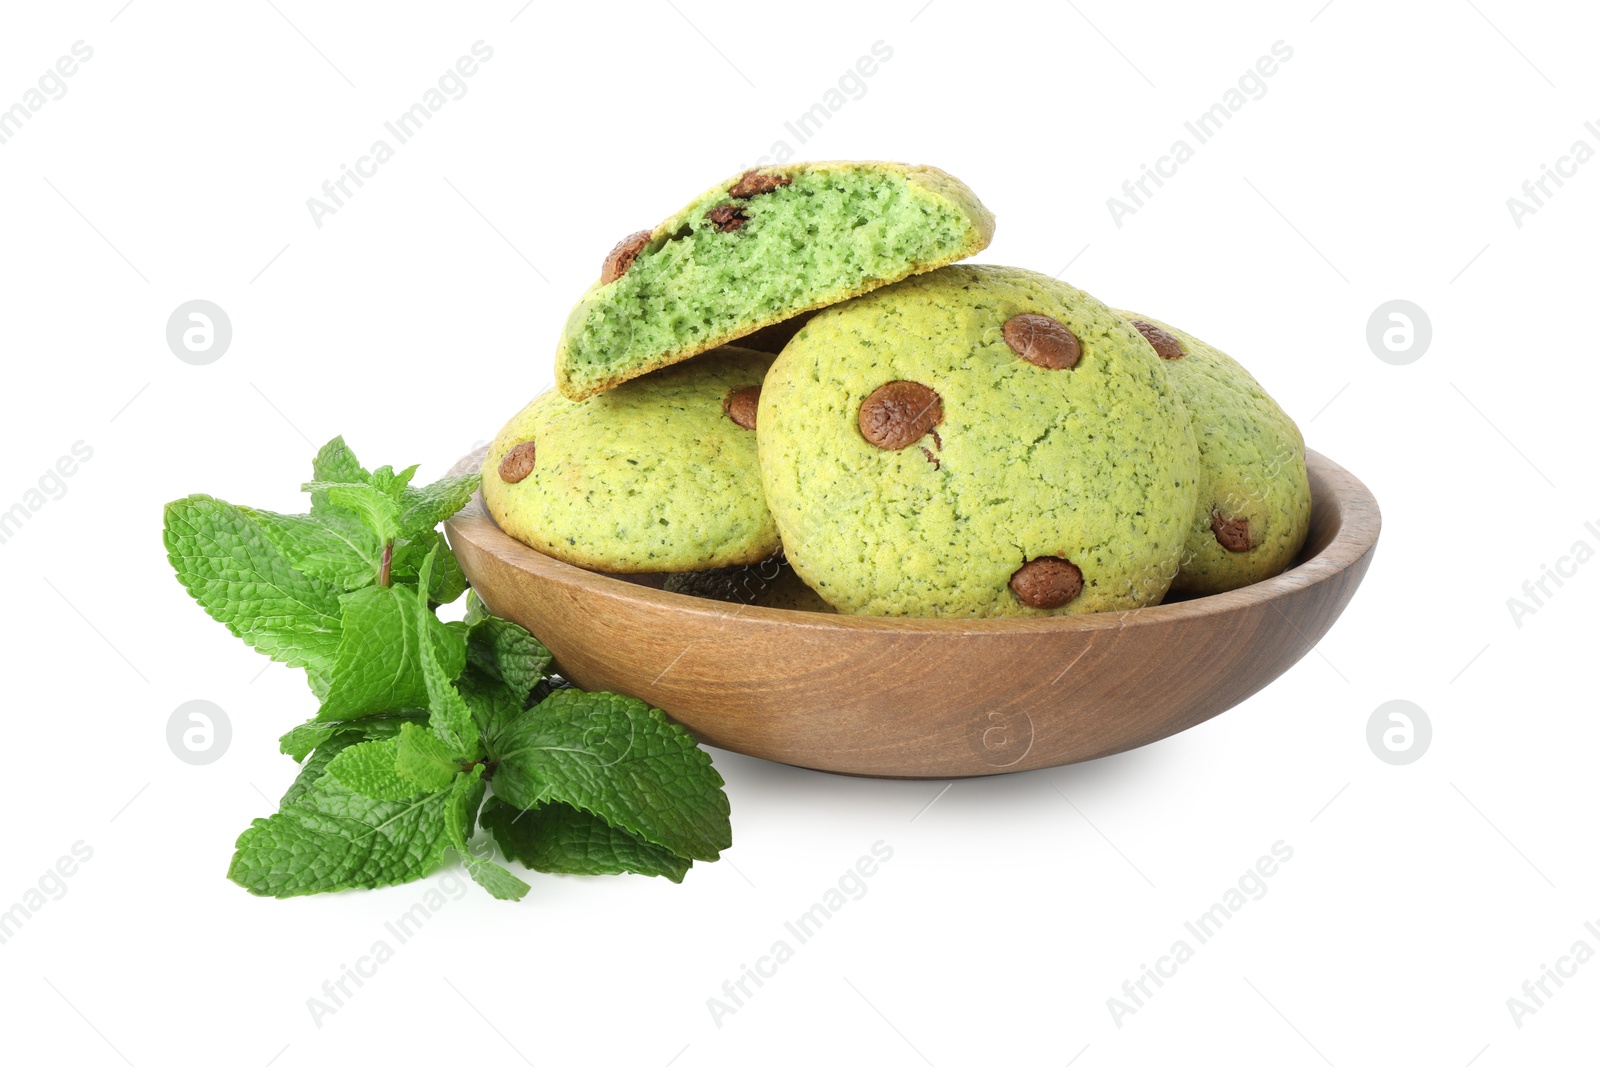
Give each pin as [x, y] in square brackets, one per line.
[335, 462]
[334, 547]
[299, 742]
[428, 506]
[424, 760]
[447, 581]
[507, 653]
[331, 837]
[368, 768]
[467, 797]
[388, 637]
[501, 883]
[476, 610]
[558, 839]
[377, 509]
[236, 574]
[492, 703]
[621, 760]
[391, 483]
[314, 768]
[448, 714]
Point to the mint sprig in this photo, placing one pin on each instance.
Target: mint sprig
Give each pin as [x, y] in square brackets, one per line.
[419, 719]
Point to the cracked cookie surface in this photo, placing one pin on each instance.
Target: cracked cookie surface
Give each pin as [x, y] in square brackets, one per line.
[1058, 440]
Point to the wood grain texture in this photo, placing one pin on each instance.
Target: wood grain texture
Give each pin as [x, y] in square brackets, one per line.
[929, 698]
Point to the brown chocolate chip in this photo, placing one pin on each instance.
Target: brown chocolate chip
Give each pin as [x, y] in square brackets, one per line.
[620, 258]
[518, 463]
[1042, 341]
[726, 218]
[754, 183]
[1047, 582]
[740, 405]
[898, 413]
[1232, 534]
[1166, 345]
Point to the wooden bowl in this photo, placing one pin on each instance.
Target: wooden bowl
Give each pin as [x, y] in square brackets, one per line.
[928, 698]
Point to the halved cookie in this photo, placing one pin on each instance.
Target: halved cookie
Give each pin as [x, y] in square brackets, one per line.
[756, 250]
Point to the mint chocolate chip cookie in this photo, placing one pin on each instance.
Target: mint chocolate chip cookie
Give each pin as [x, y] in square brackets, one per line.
[656, 475]
[756, 250]
[977, 441]
[1255, 502]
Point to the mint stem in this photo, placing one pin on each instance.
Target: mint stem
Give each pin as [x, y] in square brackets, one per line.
[383, 568]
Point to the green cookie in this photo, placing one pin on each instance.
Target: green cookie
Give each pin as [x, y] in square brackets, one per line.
[977, 441]
[755, 250]
[1255, 504]
[657, 475]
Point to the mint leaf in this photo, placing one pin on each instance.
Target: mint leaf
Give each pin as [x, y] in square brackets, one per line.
[501, 883]
[562, 840]
[477, 611]
[507, 653]
[447, 581]
[393, 484]
[335, 462]
[377, 509]
[448, 715]
[621, 760]
[335, 547]
[315, 734]
[492, 703]
[236, 574]
[315, 767]
[394, 767]
[428, 506]
[331, 837]
[424, 760]
[368, 768]
[298, 743]
[387, 634]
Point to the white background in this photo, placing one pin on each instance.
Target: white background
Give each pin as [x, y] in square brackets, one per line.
[424, 312]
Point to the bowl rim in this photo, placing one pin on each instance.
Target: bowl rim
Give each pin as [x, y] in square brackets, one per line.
[1358, 518]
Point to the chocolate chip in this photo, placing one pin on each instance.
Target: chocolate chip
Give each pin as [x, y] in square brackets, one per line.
[620, 258]
[726, 218]
[1232, 534]
[754, 183]
[518, 463]
[1042, 341]
[1166, 345]
[898, 413]
[1047, 582]
[740, 405]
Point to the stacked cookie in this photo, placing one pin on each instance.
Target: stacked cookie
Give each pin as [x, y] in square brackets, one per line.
[785, 395]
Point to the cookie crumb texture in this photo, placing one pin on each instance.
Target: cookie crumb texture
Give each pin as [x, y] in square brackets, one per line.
[1096, 465]
[653, 476]
[757, 249]
[1254, 506]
